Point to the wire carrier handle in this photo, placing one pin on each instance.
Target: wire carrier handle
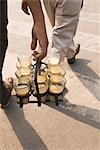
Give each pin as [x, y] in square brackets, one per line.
[37, 69]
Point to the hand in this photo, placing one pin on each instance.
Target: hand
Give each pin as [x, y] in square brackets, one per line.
[42, 50]
[39, 55]
[38, 30]
[34, 39]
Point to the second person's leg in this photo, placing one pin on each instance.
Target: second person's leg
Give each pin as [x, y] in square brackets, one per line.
[65, 16]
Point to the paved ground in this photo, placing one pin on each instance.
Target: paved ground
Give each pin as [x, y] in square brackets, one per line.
[75, 124]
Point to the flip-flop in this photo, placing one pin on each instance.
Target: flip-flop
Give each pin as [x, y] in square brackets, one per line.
[8, 86]
[72, 60]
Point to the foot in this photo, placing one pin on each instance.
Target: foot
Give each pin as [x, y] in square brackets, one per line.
[72, 60]
[8, 85]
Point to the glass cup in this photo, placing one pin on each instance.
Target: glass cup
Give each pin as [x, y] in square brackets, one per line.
[21, 89]
[57, 84]
[56, 89]
[43, 88]
[56, 70]
[23, 61]
[24, 71]
[24, 79]
[57, 79]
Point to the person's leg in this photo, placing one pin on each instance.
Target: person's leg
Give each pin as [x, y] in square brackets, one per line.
[66, 16]
[3, 41]
[50, 6]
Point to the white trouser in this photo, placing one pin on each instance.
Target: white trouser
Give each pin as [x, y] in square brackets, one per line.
[64, 17]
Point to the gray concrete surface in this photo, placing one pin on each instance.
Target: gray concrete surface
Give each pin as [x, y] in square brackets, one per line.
[75, 123]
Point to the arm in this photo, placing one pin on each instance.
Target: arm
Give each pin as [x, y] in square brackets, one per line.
[39, 29]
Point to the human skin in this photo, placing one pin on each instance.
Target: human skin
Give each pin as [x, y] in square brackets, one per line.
[39, 29]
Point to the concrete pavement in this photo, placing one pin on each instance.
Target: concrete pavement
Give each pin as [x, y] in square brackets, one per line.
[75, 123]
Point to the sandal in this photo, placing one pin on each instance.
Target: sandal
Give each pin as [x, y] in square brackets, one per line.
[7, 89]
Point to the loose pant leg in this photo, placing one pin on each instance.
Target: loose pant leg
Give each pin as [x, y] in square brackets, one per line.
[3, 39]
[50, 6]
[65, 18]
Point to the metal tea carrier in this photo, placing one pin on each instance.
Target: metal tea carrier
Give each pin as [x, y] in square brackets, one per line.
[37, 80]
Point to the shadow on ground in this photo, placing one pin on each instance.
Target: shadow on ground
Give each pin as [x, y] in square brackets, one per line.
[83, 114]
[87, 76]
[91, 81]
[25, 133]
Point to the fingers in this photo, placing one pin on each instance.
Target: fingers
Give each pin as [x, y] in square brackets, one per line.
[42, 51]
[25, 7]
[39, 55]
[34, 40]
[34, 44]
